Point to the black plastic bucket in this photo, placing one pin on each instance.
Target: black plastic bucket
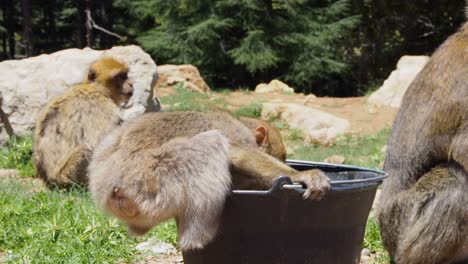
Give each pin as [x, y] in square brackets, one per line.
[278, 226]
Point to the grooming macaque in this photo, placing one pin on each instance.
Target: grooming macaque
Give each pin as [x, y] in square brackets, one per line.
[423, 211]
[179, 164]
[72, 124]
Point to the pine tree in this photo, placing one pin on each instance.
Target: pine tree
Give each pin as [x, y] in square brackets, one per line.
[243, 42]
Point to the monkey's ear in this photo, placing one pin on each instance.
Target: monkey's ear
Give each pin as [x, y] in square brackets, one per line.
[91, 75]
[261, 135]
[121, 202]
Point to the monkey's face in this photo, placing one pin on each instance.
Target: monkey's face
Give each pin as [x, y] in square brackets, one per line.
[123, 87]
[111, 76]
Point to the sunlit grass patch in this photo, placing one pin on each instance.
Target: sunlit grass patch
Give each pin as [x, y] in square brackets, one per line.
[17, 154]
[363, 151]
[252, 110]
[63, 227]
[373, 242]
[185, 100]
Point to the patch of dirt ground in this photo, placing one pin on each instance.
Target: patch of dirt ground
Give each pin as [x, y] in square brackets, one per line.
[365, 119]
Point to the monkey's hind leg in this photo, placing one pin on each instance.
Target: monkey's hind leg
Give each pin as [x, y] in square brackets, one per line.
[427, 223]
[73, 169]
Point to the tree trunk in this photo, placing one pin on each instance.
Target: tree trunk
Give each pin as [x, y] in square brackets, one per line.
[5, 121]
[27, 28]
[4, 34]
[10, 27]
[89, 27]
[107, 23]
[80, 23]
[49, 15]
[4, 46]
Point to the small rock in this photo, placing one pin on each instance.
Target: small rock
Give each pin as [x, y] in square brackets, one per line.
[365, 252]
[319, 127]
[274, 86]
[309, 98]
[157, 247]
[337, 159]
[186, 74]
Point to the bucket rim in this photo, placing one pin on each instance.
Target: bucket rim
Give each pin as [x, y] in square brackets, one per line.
[336, 185]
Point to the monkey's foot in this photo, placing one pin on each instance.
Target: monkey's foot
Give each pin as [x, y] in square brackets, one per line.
[317, 184]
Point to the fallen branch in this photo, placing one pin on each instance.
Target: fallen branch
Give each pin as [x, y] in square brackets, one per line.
[5, 121]
[91, 24]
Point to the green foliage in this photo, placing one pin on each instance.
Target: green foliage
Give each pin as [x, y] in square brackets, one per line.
[391, 29]
[250, 40]
[252, 110]
[361, 151]
[42, 226]
[373, 241]
[17, 154]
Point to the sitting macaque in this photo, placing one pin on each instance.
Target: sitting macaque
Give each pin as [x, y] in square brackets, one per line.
[72, 124]
[423, 212]
[179, 164]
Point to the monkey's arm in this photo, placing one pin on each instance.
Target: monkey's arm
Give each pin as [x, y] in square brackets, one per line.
[253, 169]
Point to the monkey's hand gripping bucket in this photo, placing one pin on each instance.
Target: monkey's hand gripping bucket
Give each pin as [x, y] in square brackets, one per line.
[278, 226]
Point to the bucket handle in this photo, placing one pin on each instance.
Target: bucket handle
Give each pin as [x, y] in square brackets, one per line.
[293, 186]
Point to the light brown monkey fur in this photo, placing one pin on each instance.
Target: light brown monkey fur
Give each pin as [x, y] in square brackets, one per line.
[423, 212]
[72, 124]
[179, 164]
[268, 137]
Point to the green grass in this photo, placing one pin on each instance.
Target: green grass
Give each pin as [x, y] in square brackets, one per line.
[44, 226]
[17, 155]
[185, 100]
[296, 134]
[38, 225]
[252, 110]
[363, 151]
[373, 241]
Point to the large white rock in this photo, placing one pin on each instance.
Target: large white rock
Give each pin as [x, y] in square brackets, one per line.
[27, 84]
[395, 86]
[318, 127]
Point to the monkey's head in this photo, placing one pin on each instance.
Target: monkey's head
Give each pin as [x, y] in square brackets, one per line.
[111, 77]
[270, 141]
